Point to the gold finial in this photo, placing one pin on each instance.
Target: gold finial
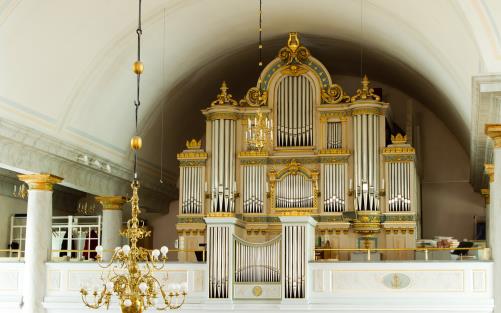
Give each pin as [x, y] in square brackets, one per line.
[293, 42]
[224, 97]
[398, 139]
[193, 144]
[366, 93]
[294, 51]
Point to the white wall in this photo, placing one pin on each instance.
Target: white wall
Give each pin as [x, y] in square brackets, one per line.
[8, 207]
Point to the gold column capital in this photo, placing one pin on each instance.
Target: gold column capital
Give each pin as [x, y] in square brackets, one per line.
[494, 132]
[111, 202]
[40, 181]
[486, 194]
[489, 170]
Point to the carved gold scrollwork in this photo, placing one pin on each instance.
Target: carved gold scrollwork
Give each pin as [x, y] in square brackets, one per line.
[224, 97]
[254, 98]
[294, 51]
[334, 94]
[365, 93]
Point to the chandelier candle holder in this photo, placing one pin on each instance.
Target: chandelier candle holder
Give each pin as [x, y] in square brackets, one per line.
[130, 275]
[259, 133]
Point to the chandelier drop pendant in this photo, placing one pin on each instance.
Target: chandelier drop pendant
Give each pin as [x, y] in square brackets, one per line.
[130, 272]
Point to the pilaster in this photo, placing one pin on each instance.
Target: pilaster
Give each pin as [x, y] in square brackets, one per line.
[494, 214]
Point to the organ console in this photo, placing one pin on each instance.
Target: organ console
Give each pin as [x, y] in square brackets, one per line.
[328, 159]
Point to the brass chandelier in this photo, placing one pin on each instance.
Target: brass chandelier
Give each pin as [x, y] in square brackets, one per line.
[130, 272]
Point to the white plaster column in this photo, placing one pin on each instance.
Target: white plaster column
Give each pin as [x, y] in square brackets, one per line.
[112, 223]
[494, 215]
[38, 239]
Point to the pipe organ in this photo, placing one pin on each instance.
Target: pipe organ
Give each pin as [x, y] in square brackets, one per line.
[254, 188]
[257, 262]
[294, 113]
[334, 187]
[326, 158]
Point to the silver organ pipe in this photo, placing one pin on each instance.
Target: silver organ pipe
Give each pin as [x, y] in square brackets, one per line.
[192, 195]
[399, 198]
[366, 158]
[223, 185]
[334, 187]
[294, 191]
[257, 262]
[254, 178]
[294, 262]
[334, 135]
[294, 98]
[218, 259]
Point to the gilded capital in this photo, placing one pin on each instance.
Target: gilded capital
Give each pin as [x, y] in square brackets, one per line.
[494, 132]
[486, 194]
[41, 181]
[111, 202]
[489, 170]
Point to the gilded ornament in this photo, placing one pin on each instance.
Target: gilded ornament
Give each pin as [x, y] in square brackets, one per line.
[40, 181]
[254, 98]
[489, 170]
[111, 202]
[334, 94]
[294, 70]
[138, 67]
[334, 151]
[399, 139]
[257, 291]
[365, 93]
[494, 132]
[136, 143]
[294, 52]
[194, 144]
[224, 98]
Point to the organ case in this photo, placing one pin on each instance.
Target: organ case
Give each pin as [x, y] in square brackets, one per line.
[328, 159]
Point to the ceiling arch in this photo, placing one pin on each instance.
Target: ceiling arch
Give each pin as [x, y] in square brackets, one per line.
[69, 76]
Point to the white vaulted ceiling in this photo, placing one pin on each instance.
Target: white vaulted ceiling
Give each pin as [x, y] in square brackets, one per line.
[65, 66]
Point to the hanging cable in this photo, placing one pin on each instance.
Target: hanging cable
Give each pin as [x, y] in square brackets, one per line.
[260, 55]
[361, 38]
[138, 70]
[162, 104]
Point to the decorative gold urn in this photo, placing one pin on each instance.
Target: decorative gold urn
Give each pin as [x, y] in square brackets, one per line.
[367, 222]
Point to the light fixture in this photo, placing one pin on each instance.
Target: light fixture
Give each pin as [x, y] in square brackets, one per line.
[20, 192]
[129, 275]
[259, 132]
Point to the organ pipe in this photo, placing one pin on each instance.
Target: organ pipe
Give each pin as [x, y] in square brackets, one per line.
[295, 261]
[192, 181]
[399, 196]
[294, 98]
[257, 262]
[294, 191]
[334, 187]
[254, 177]
[366, 156]
[223, 185]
